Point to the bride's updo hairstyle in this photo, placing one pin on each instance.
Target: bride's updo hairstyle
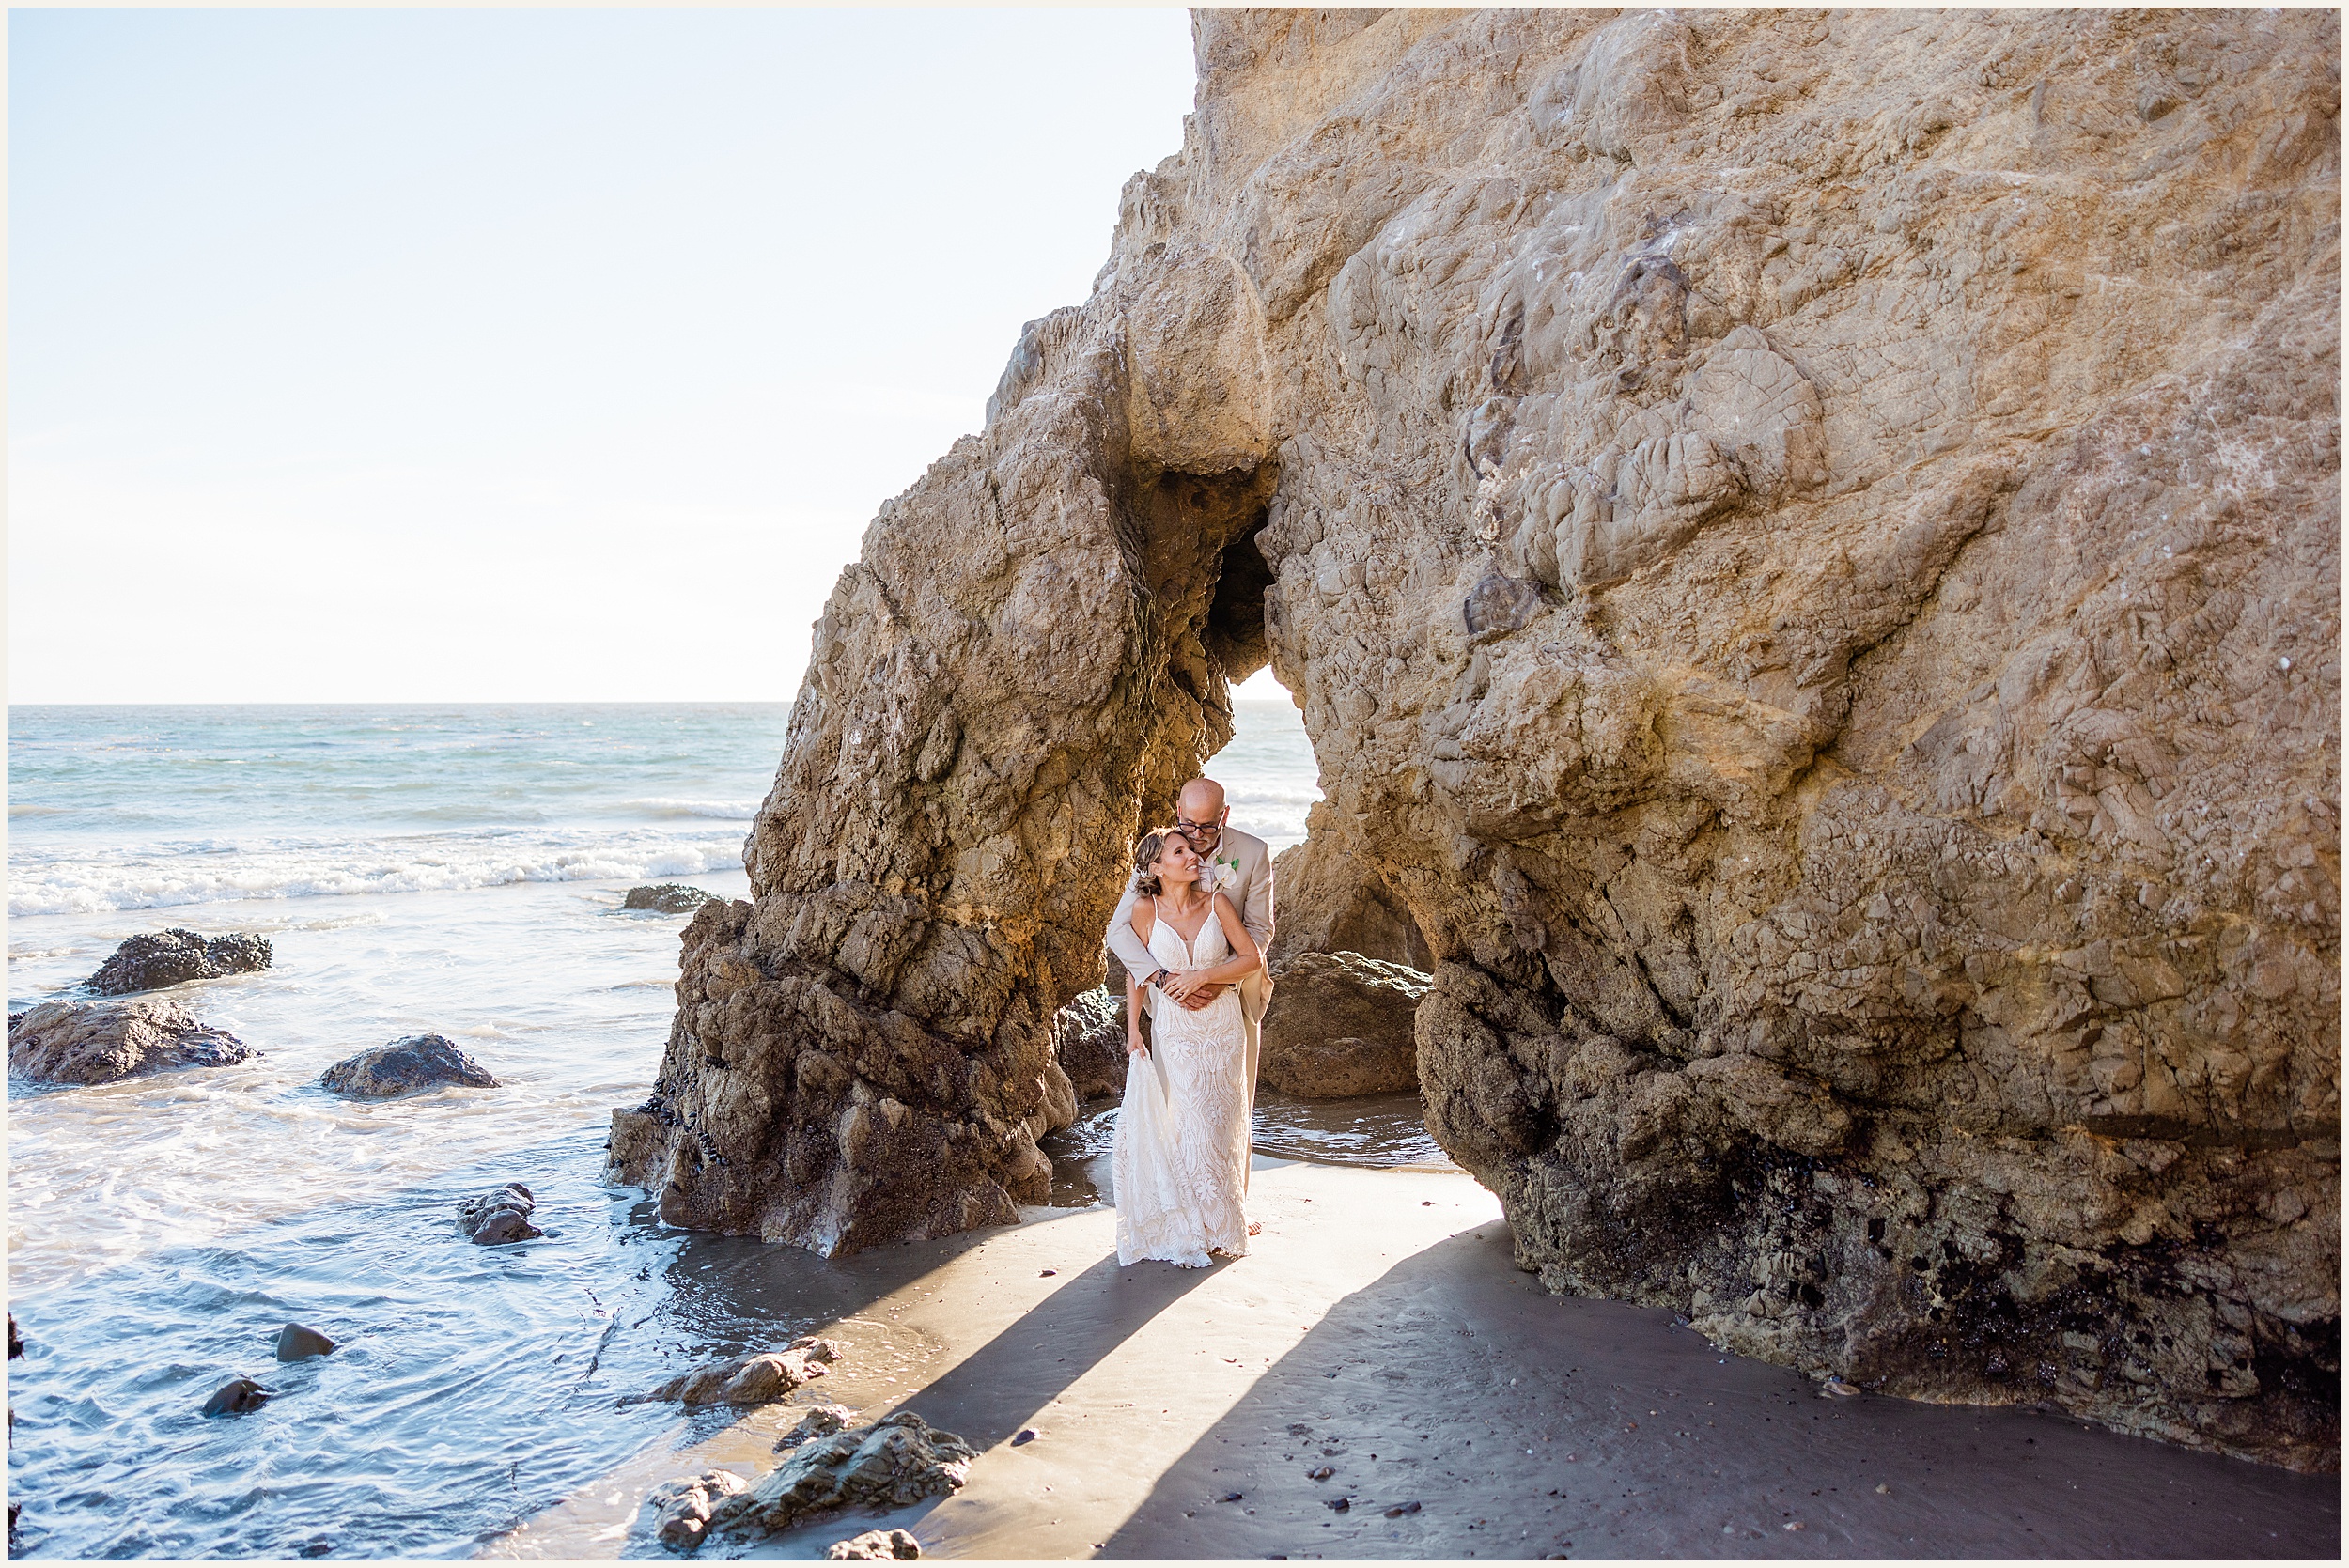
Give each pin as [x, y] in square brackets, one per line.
[1147, 849]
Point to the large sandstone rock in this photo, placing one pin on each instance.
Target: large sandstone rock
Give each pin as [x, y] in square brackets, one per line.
[97, 1042]
[1330, 899]
[1809, 543]
[154, 959]
[792, 1109]
[1340, 1024]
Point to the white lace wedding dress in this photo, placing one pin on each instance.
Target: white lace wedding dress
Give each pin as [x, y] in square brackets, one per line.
[1181, 1161]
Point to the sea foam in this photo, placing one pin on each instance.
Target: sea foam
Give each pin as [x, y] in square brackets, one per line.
[662, 805]
[205, 872]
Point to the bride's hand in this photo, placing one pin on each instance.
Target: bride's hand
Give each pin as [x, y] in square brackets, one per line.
[1178, 986]
[1134, 1046]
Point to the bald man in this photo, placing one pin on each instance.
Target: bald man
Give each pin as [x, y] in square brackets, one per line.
[1244, 865]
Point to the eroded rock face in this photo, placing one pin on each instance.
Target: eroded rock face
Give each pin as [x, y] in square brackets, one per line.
[1809, 544]
[1089, 1043]
[1342, 1024]
[98, 1042]
[785, 1109]
[154, 959]
[1332, 899]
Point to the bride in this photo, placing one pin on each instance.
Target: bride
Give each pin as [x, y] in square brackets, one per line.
[1181, 1161]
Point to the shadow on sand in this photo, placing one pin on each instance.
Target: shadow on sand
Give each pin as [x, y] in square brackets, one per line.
[1510, 1423]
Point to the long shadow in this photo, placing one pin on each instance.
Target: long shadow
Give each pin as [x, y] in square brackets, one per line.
[992, 1393]
[1522, 1425]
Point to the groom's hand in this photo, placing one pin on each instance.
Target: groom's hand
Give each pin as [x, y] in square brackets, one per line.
[1201, 996]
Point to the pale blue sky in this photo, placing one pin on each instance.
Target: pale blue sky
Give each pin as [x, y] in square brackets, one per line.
[519, 354]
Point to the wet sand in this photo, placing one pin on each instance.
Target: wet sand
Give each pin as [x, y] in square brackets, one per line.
[1380, 1330]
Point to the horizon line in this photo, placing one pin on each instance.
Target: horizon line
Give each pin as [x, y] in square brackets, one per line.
[463, 701]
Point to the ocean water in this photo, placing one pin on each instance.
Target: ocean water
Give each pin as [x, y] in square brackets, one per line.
[452, 869]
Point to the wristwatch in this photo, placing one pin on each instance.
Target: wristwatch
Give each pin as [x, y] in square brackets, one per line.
[1153, 980]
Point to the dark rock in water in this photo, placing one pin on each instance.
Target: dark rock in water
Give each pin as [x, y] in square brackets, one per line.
[316, 1548]
[154, 959]
[750, 1379]
[498, 1216]
[97, 1042]
[406, 1066]
[297, 1342]
[668, 898]
[1342, 1024]
[875, 1545]
[235, 1397]
[16, 1345]
[1089, 1038]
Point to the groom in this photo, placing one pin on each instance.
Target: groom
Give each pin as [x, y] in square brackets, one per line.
[1241, 867]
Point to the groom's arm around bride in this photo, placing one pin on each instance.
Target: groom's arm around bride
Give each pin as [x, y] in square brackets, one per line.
[1242, 865]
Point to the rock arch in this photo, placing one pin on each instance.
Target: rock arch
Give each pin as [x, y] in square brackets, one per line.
[1814, 538]
[1034, 651]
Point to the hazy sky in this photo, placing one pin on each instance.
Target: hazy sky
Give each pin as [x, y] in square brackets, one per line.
[525, 354]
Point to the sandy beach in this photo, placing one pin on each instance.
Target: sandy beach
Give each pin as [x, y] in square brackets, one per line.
[1380, 1330]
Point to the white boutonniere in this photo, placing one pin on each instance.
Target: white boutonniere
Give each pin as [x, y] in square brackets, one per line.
[1221, 875]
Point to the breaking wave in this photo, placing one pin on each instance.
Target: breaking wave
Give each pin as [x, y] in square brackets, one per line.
[211, 872]
[728, 811]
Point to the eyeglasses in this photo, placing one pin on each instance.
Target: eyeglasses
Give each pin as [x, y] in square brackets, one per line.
[1189, 829]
